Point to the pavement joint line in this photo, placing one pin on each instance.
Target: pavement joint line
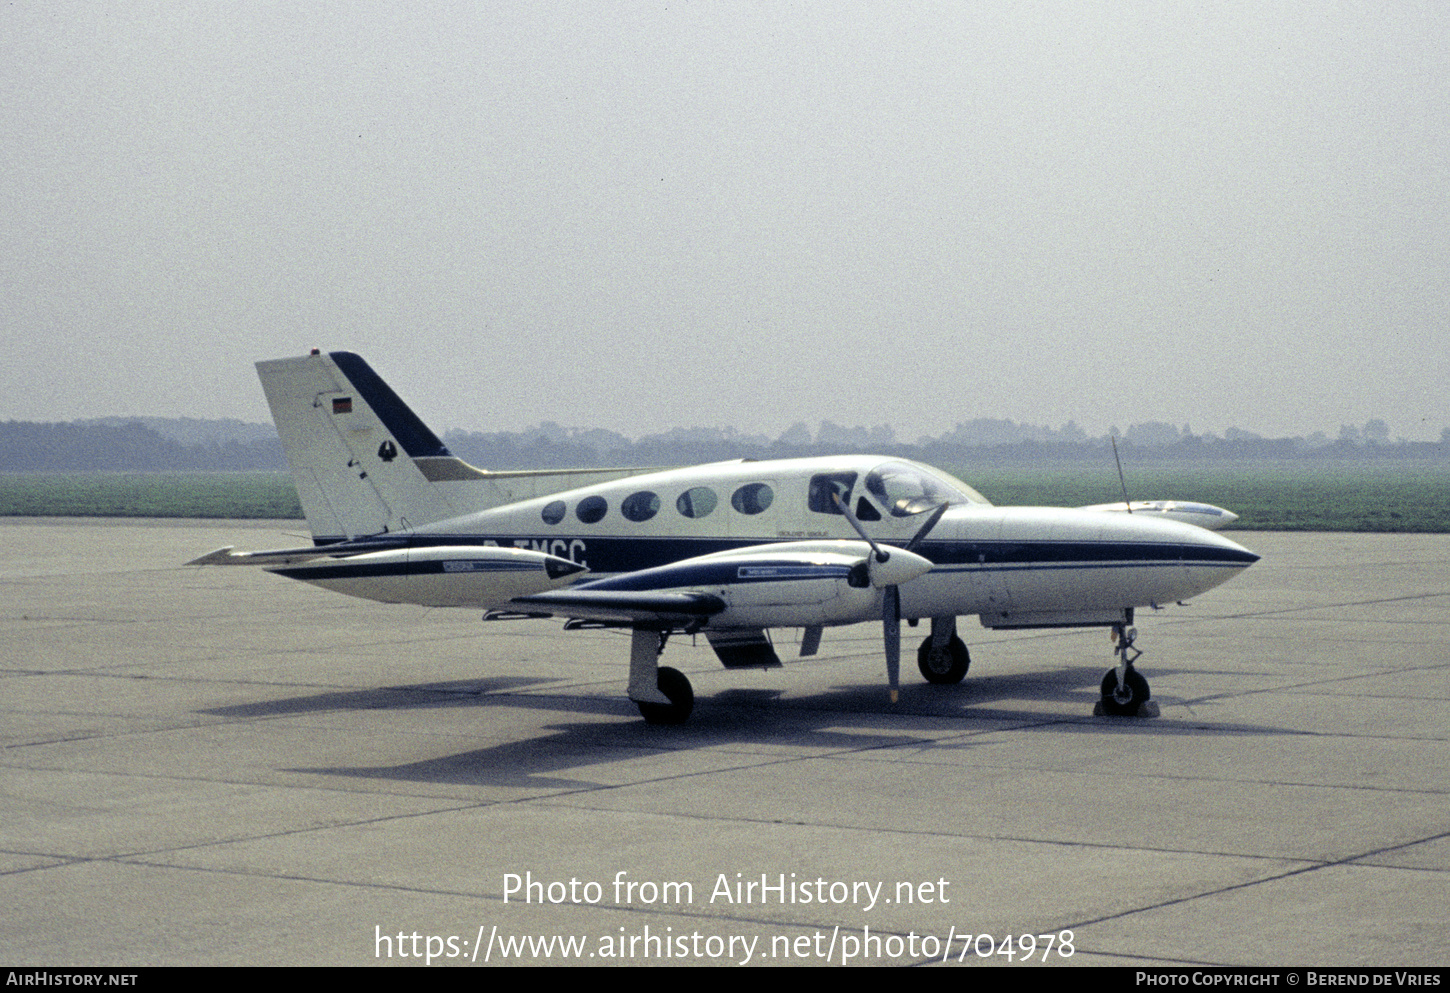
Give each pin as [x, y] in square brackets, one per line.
[1310, 607]
[1349, 861]
[555, 795]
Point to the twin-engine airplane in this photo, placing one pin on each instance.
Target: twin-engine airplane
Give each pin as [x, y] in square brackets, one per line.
[727, 550]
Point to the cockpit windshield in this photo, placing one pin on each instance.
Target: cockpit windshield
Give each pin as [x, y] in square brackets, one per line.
[905, 489]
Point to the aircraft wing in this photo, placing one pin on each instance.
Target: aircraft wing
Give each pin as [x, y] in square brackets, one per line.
[629, 606]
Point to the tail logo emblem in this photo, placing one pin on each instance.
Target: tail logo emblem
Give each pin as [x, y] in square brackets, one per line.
[388, 451]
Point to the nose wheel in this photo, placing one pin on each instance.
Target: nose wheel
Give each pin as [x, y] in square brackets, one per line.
[1125, 692]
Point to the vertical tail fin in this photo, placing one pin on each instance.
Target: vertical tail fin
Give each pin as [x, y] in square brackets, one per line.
[365, 464]
[362, 460]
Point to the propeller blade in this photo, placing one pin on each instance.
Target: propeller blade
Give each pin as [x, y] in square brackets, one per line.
[891, 627]
[898, 565]
[880, 555]
[930, 523]
[888, 572]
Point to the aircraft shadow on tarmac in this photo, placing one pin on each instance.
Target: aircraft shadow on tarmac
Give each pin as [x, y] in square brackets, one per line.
[819, 722]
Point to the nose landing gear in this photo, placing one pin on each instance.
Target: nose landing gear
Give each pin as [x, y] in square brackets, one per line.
[1125, 692]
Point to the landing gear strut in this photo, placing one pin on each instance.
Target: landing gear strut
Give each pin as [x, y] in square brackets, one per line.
[1125, 692]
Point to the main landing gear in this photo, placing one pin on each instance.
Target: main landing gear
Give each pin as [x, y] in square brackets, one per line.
[663, 695]
[942, 657]
[674, 685]
[1125, 692]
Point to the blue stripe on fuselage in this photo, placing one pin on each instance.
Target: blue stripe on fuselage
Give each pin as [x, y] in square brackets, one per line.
[610, 555]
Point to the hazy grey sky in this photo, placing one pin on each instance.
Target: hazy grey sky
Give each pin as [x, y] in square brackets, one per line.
[639, 215]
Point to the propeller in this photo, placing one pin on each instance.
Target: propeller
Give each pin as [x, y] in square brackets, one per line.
[888, 570]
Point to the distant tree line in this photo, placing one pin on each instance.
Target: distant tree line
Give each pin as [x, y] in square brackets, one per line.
[552, 447]
[160, 444]
[132, 447]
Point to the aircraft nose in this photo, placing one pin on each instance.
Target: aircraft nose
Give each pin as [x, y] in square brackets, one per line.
[1212, 546]
[1205, 558]
[1210, 559]
[1236, 552]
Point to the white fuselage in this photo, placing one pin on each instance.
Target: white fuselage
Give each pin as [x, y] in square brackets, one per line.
[1020, 566]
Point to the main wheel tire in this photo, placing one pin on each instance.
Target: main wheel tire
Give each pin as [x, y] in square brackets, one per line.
[945, 665]
[673, 684]
[1124, 701]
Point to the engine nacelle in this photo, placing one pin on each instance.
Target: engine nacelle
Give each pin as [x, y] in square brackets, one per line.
[793, 584]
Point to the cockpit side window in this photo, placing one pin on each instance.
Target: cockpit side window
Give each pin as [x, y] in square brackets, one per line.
[904, 489]
[825, 487]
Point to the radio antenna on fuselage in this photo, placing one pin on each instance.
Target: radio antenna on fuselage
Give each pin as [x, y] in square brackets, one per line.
[1121, 481]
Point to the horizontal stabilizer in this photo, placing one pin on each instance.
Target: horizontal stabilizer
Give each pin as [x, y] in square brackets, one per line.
[286, 556]
[475, 576]
[222, 556]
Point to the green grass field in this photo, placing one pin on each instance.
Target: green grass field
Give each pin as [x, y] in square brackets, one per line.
[149, 494]
[1266, 496]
